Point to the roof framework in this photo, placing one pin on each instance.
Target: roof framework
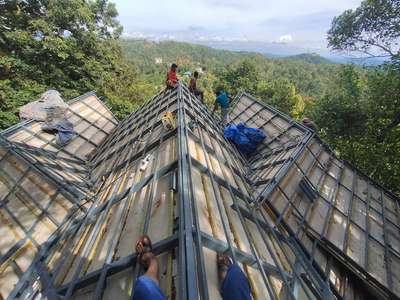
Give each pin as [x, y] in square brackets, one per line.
[293, 216]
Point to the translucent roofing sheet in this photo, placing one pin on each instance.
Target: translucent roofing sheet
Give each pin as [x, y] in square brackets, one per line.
[192, 188]
[293, 217]
[92, 122]
[31, 210]
[342, 211]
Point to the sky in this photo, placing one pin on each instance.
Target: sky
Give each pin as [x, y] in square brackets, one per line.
[297, 23]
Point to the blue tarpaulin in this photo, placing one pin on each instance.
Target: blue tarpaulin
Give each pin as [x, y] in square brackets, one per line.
[245, 138]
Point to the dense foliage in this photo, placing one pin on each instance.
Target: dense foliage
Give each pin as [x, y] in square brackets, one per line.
[70, 45]
[360, 115]
[373, 28]
[74, 46]
[278, 81]
[355, 108]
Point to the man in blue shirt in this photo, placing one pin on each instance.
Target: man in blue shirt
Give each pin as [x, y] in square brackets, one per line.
[223, 100]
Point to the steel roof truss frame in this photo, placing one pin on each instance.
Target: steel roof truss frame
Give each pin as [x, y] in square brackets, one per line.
[188, 284]
[152, 188]
[254, 219]
[266, 279]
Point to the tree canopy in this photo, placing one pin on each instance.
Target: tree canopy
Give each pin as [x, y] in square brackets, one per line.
[70, 45]
[373, 28]
[360, 115]
[75, 46]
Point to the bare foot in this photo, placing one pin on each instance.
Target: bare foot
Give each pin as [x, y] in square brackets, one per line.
[147, 258]
[144, 249]
[223, 263]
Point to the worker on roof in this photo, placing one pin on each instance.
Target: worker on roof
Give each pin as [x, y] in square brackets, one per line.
[193, 87]
[147, 286]
[309, 123]
[172, 79]
[233, 282]
[223, 100]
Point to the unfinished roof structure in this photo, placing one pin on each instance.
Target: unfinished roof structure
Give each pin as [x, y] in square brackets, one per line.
[300, 222]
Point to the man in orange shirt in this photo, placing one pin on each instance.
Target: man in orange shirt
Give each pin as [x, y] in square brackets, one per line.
[172, 79]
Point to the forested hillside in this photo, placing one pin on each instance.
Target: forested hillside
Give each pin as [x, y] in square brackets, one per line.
[356, 108]
[68, 45]
[75, 46]
[310, 57]
[251, 71]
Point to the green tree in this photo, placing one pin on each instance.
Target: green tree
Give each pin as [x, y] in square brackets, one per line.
[356, 118]
[281, 93]
[242, 75]
[340, 113]
[70, 45]
[371, 139]
[373, 28]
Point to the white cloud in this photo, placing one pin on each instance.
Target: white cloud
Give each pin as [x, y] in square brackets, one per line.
[203, 38]
[257, 20]
[287, 38]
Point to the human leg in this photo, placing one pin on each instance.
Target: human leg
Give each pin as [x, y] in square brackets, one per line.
[224, 115]
[147, 285]
[200, 95]
[234, 283]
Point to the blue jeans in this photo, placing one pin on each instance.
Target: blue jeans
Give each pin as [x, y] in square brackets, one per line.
[147, 289]
[234, 287]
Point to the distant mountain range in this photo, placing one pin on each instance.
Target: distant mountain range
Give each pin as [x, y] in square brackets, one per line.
[313, 58]
[285, 50]
[233, 49]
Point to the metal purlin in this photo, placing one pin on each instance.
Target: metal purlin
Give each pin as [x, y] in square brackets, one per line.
[217, 197]
[88, 248]
[75, 194]
[302, 224]
[152, 191]
[92, 238]
[211, 175]
[100, 284]
[121, 124]
[281, 173]
[272, 294]
[277, 178]
[231, 250]
[323, 287]
[108, 260]
[129, 260]
[203, 286]
[43, 252]
[78, 227]
[186, 229]
[187, 263]
[325, 174]
[123, 127]
[138, 154]
[117, 166]
[111, 265]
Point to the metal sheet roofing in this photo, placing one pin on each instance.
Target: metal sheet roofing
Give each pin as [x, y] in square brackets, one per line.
[301, 223]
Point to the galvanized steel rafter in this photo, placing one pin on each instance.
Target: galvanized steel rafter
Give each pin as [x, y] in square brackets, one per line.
[189, 238]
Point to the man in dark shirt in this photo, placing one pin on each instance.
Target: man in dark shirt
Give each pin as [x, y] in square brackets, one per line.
[223, 99]
[193, 86]
[309, 123]
[172, 79]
